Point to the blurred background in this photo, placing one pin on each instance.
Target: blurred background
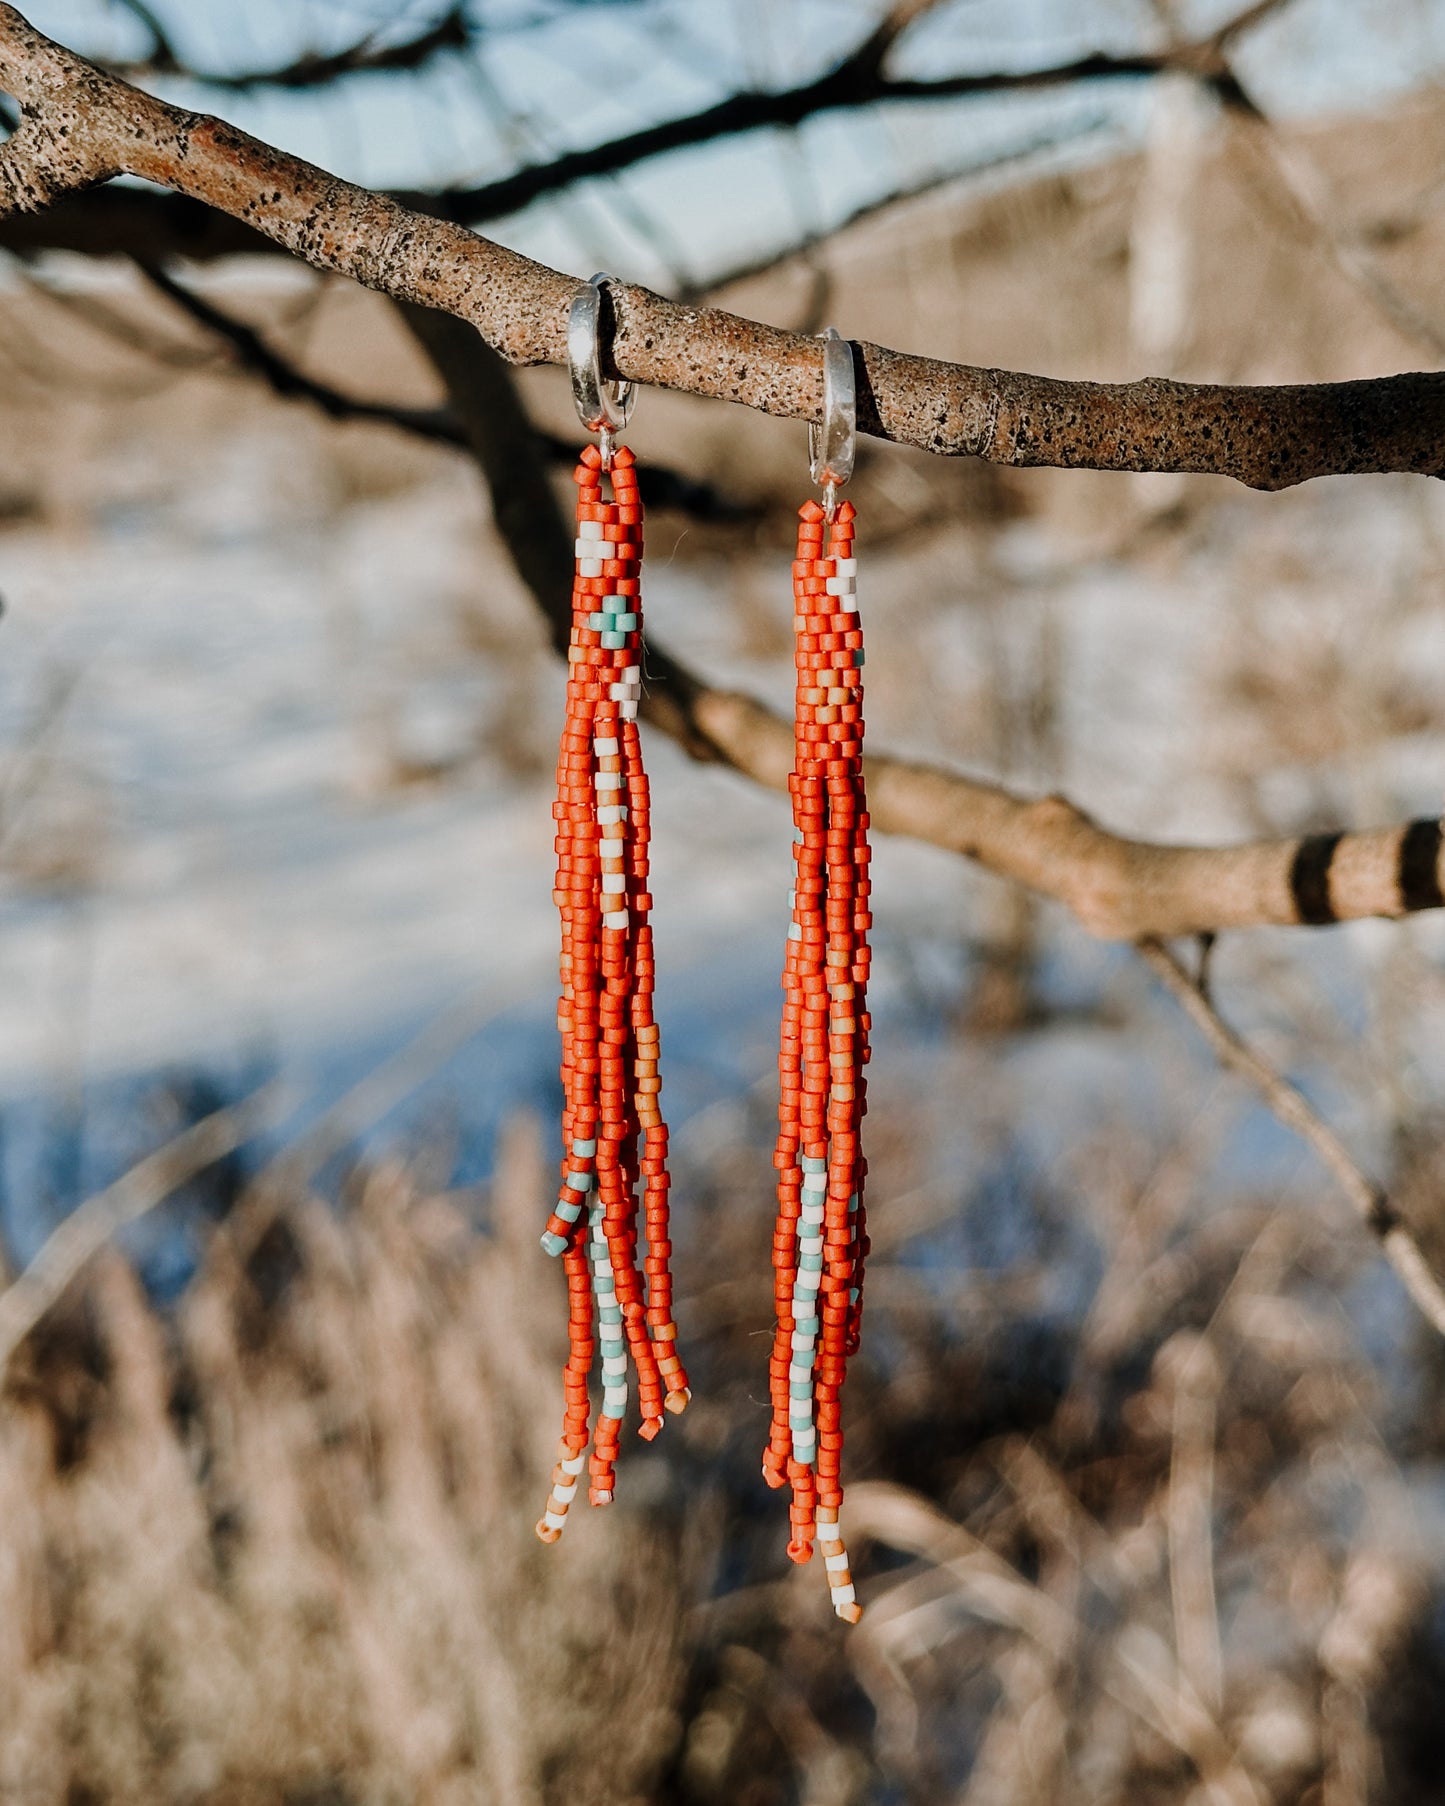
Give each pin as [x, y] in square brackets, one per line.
[1146, 1447]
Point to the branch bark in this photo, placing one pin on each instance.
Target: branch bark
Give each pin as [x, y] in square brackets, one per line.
[81, 126]
[1118, 888]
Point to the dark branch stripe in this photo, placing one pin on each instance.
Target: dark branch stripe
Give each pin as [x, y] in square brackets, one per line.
[1419, 871]
[1309, 878]
[1382, 1216]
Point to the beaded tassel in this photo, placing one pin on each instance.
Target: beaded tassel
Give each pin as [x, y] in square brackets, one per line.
[819, 1243]
[613, 1134]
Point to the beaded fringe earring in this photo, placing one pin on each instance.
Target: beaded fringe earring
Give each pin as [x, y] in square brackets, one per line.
[614, 1139]
[819, 1242]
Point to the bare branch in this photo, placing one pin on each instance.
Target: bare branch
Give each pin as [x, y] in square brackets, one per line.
[898, 197]
[1294, 1111]
[1223, 39]
[1118, 888]
[859, 80]
[1307, 198]
[87, 1229]
[452, 31]
[78, 119]
[158, 225]
[162, 51]
[82, 126]
[254, 354]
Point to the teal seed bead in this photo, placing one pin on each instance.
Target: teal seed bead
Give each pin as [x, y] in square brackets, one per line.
[553, 1244]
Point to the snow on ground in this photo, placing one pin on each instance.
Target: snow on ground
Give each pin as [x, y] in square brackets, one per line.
[211, 865]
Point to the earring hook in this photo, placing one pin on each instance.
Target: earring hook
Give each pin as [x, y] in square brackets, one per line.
[603, 407]
[831, 446]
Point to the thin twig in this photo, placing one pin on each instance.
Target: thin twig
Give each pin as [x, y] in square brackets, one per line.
[313, 69]
[1307, 197]
[1027, 152]
[92, 1225]
[256, 356]
[1292, 1109]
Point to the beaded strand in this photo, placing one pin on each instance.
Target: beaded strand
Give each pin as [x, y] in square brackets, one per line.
[820, 1240]
[613, 1135]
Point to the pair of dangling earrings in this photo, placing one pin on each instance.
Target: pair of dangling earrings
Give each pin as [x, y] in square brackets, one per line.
[614, 1141]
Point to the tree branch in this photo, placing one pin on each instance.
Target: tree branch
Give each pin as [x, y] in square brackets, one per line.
[666, 488]
[159, 225]
[452, 31]
[925, 185]
[858, 80]
[88, 1229]
[1118, 888]
[81, 126]
[284, 379]
[80, 122]
[1295, 1112]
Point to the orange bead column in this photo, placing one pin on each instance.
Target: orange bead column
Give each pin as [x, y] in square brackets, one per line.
[614, 1138]
[819, 1240]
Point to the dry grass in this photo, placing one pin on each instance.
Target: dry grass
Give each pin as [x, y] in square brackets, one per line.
[281, 1548]
[276, 1544]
